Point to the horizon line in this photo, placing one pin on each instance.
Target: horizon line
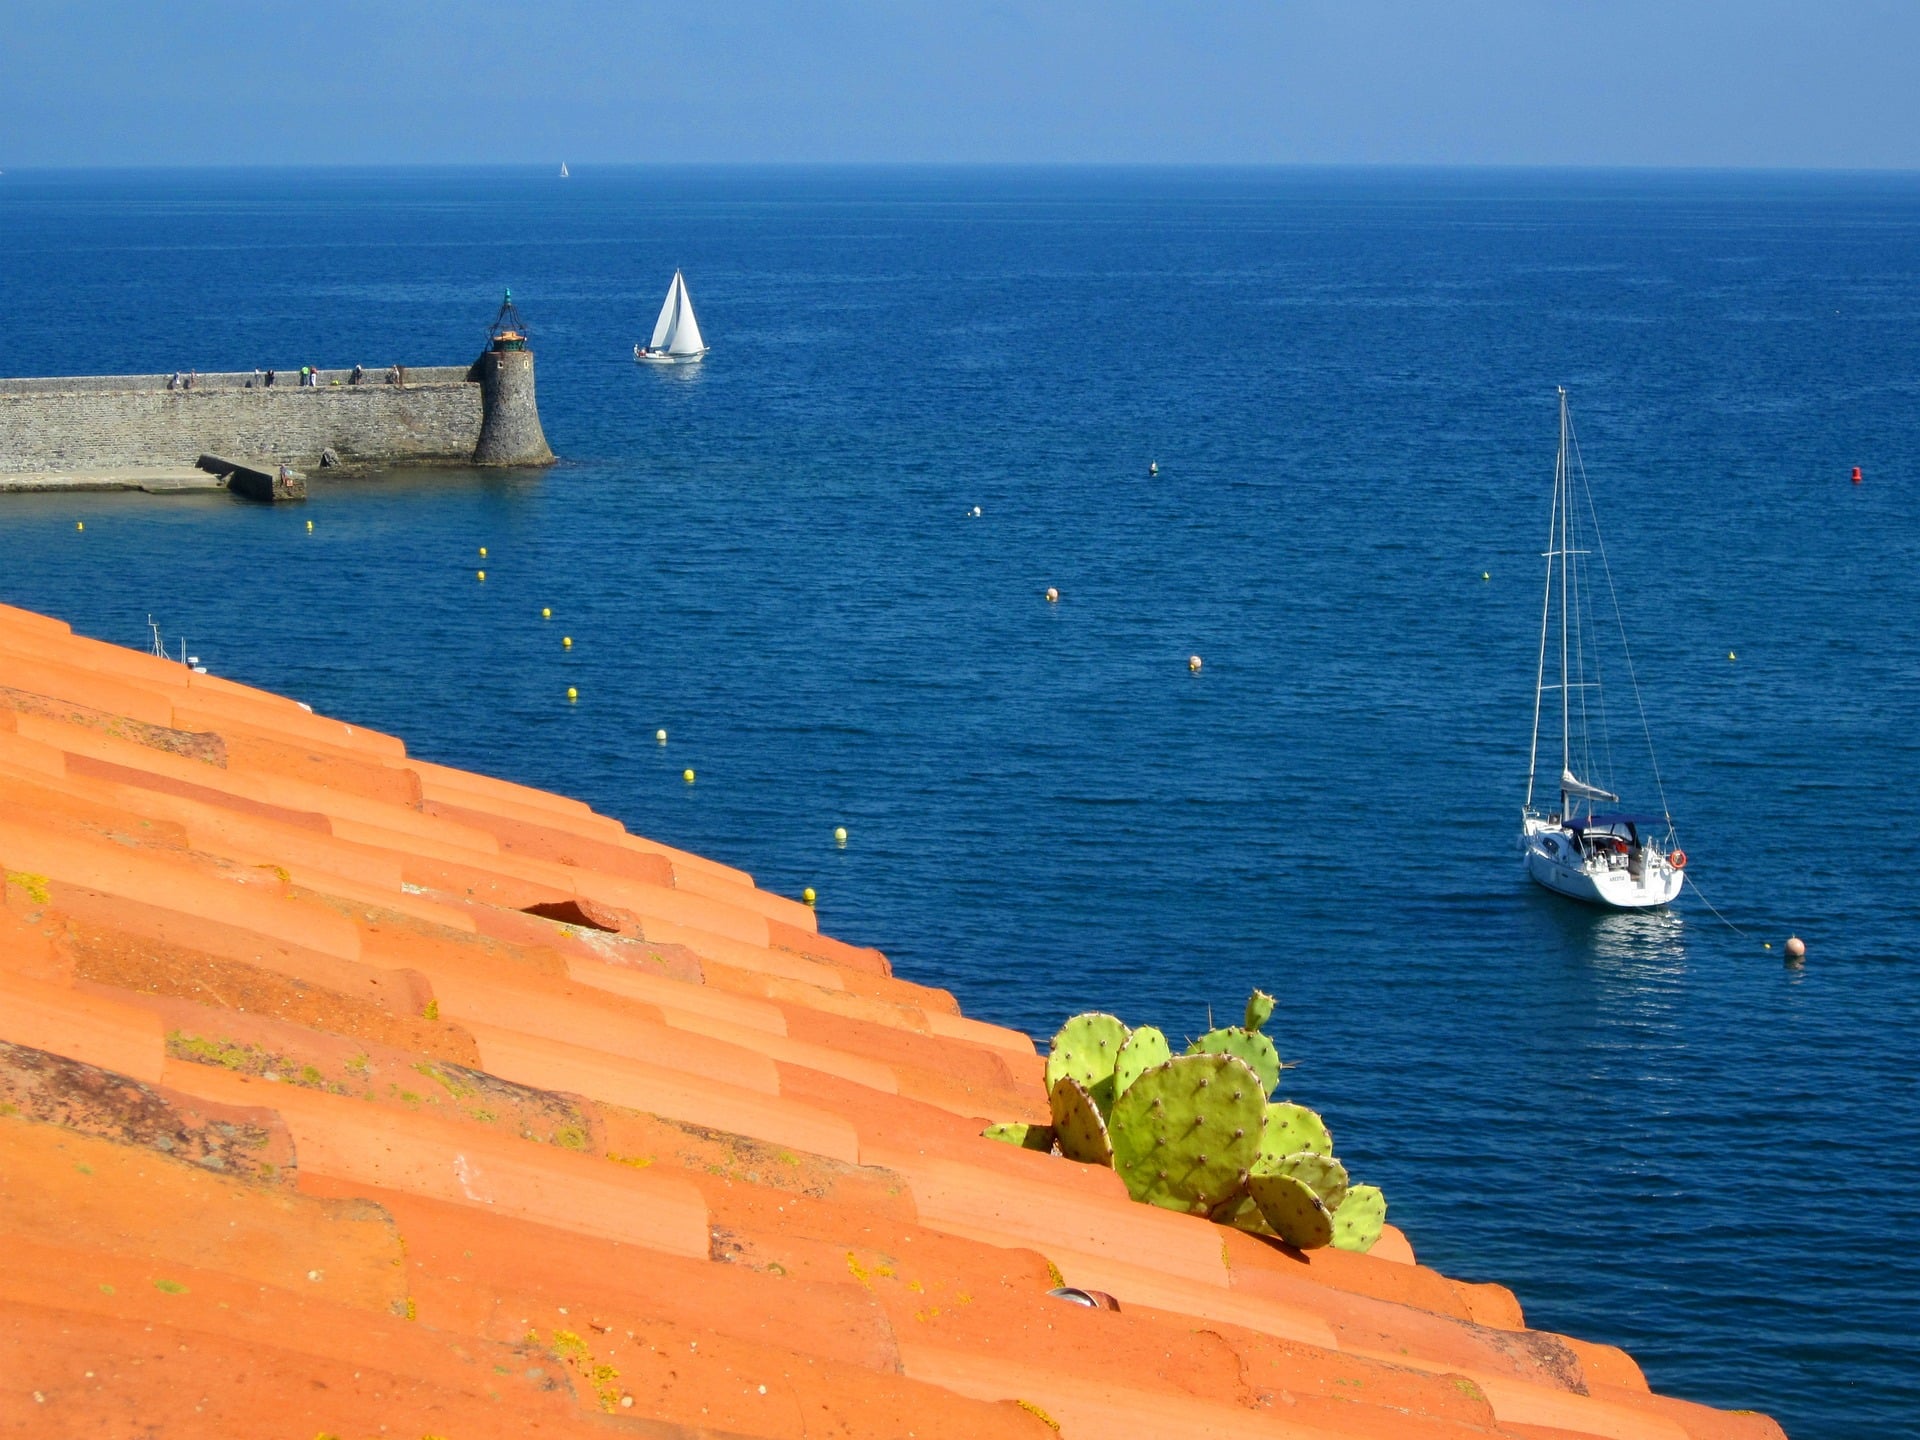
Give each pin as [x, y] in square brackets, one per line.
[1397, 166]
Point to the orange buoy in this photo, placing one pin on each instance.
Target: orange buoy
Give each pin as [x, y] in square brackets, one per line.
[1678, 859]
[1856, 474]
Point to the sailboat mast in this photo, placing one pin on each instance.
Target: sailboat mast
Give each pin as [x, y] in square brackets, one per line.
[1540, 661]
[1566, 716]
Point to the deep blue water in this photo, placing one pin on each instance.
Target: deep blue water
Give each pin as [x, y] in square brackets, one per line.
[1653, 1131]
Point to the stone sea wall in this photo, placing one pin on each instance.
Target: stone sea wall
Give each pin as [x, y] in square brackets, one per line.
[101, 421]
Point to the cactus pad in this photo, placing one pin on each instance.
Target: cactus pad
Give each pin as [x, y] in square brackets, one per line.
[1185, 1132]
[1248, 1045]
[1356, 1224]
[1259, 1010]
[1077, 1124]
[1086, 1048]
[1027, 1137]
[1291, 1129]
[1322, 1174]
[1146, 1047]
[1239, 1211]
[1295, 1212]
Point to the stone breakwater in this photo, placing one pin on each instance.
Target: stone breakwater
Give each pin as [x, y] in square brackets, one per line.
[74, 426]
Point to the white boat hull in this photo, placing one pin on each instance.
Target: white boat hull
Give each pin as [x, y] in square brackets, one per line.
[1554, 863]
[654, 357]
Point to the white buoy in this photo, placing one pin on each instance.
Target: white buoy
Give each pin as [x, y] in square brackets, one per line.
[1053, 595]
[660, 736]
[976, 512]
[1796, 948]
[1154, 468]
[1193, 663]
[839, 834]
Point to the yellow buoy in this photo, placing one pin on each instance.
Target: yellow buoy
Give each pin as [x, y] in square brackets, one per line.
[481, 573]
[309, 527]
[567, 641]
[1193, 663]
[572, 694]
[483, 552]
[1730, 655]
[661, 736]
[546, 613]
[808, 895]
[1486, 574]
[79, 524]
[840, 834]
[687, 775]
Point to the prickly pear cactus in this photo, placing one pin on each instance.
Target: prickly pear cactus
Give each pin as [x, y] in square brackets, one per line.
[1290, 1129]
[1248, 1045]
[1356, 1224]
[1077, 1124]
[1259, 1010]
[1086, 1048]
[1296, 1214]
[1146, 1047]
[1322, 1174]
[1027, 1137]
[1185, 1132]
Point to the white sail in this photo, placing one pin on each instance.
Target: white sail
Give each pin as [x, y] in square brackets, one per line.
[663, 327]
[685, 337]
[1583, 790]
[563, 169]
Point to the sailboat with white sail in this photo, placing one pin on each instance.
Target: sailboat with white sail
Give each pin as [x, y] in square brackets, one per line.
[676, 334]
[1589, 848]
[563, 169]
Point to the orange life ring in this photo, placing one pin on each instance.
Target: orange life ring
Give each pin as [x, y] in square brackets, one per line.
[1678, 859]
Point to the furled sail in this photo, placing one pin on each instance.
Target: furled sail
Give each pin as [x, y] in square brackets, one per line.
[1582, 790]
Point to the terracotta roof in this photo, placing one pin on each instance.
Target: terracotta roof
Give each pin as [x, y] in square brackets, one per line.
[347, 1094]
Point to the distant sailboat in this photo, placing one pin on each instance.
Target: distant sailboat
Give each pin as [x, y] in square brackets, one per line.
[676, 334]
[563, 169]
[1606, 857]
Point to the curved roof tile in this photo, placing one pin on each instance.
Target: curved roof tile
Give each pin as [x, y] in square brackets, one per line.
[344, 1091]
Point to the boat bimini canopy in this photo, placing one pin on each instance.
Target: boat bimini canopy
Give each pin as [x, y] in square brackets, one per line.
[1602, 822]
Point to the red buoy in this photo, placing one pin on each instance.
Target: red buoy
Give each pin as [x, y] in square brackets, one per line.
[1856, 474]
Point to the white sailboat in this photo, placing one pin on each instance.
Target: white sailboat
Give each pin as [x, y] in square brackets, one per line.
[676, 334]
[563, 169]
[1604, 856]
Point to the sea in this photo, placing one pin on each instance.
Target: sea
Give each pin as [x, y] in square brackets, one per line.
[819, 562]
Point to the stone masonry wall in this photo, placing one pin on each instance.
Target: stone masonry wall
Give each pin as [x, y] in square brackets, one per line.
[105, 421]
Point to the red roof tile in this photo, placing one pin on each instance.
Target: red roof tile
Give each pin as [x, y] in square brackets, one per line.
[344, 1093]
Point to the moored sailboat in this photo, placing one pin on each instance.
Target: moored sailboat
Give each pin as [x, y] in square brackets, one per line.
[676, 334]
[1604, 856]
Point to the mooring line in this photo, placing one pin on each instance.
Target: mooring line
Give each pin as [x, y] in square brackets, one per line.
[1716, 914]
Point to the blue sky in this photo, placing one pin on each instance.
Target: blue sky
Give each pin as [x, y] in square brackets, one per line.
[1528, 82]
